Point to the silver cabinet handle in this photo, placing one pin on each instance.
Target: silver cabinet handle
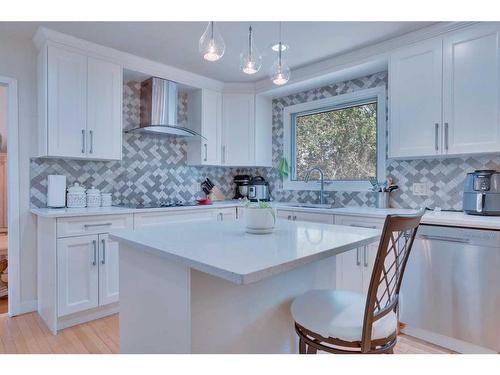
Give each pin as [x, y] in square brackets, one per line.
[444, 238]
[97, 225]
[221, 216]
[91, 134]
[363, 226]
[358, 262]
[83, 141]
[289, 217]
[446, 135]
[103, 260]
[365, 256]
[206, 152]
[223, 156]
[94, 244]
[436, 136]
[294, 217]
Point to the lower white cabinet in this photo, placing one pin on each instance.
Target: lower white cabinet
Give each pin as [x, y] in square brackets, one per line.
[87, 273]
[354, 268]
[77, 274]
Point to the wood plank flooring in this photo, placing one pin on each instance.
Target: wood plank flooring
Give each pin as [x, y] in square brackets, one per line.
[28, 334]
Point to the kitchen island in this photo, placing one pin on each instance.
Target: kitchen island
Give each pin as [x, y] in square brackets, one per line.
[209, 287]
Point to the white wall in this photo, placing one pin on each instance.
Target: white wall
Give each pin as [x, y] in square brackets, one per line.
[18, 60]
[3, 119]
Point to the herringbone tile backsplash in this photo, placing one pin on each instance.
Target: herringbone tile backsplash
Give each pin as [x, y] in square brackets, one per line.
[154, 168]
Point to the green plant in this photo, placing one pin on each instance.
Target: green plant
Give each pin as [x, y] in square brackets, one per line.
[261, 205]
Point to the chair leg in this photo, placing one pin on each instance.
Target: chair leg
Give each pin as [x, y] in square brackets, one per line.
[302, 346]
[311, 350]
[390, 351]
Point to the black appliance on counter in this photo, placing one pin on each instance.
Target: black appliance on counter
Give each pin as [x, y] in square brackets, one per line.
[482, 193]
[242, 181]
[258, 190]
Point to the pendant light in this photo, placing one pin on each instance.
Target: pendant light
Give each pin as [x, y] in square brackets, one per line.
[251, 60]
[280, 72]
[211, 44]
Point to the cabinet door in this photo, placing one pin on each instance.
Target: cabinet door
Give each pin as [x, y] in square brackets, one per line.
[211, 127]
[108, 270]
[77, 274]
[104, 115]
[67, 102]
[369, 255]
[349, 271]
[238, 129]
[472, 91]
[415, 76]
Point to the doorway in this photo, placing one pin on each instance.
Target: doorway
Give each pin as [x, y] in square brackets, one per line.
[10, 296]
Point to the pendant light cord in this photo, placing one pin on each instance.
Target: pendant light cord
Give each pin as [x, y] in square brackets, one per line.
[279, 49]
[250, 43]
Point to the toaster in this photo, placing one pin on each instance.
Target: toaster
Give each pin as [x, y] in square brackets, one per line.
[482, 193]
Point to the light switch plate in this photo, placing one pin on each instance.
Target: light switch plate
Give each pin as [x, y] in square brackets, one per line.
[420, 188]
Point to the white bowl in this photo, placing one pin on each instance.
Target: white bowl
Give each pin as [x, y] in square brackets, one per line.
[260, 220]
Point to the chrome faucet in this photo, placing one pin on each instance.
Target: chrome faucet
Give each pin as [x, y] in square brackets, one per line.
[322, 180]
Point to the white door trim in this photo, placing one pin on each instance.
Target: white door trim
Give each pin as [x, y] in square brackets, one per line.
[13, 215]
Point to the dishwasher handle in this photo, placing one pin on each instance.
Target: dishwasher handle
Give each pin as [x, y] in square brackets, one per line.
[444, 238]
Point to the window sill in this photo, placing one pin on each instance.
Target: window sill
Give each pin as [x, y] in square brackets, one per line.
[349, 186]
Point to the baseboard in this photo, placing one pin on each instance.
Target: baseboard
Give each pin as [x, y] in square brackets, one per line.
[445, 341]
[87, 315]
[25, 307]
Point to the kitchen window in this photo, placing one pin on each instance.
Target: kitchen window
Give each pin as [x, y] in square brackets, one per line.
[343, 135]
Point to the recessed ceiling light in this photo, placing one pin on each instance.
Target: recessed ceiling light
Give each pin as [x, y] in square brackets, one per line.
[276, 47]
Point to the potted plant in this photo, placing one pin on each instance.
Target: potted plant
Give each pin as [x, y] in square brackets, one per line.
[260, 217]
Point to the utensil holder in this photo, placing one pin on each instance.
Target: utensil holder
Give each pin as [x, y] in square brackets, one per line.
[383, 199]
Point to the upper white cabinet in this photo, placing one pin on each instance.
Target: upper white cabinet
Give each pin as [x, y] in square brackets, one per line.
[444, 95]
[80, 105]
[246, 130]
[471, 91]
[205, 117]
[415, 100]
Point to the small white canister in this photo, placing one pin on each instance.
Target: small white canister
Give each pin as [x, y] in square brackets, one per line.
[106, 199]
[76, 196]
[93, 197]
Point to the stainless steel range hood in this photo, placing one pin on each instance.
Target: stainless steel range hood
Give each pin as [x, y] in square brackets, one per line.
[159, 109]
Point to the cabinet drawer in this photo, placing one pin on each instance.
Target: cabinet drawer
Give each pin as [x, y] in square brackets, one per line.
[77, 226]
[359, 221]
[159, 218]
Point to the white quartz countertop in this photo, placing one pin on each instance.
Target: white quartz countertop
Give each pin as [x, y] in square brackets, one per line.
[457, 219]
[115, 210]
[225, 250]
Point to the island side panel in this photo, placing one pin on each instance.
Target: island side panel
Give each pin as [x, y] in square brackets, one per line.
[154, 303]
[252, 318]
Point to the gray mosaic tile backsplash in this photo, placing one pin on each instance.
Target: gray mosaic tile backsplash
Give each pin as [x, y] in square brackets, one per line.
[154, 168]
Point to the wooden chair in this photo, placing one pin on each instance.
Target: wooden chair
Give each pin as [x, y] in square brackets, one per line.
[347, 322]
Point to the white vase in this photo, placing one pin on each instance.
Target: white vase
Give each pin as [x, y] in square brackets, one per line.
[260, 219]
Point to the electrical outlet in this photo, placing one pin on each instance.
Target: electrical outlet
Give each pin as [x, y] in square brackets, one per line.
[420, 188]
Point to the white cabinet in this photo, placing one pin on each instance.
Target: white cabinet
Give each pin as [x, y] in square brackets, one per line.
[77, 274]
[444, 95]
[354, 268]
[305, 216]
[104, 109]
[66, 103]
[246, 130]
[87, 273]
[415, 100]
[80, 105]
[205, 117]
[108, 270]
[471, 91]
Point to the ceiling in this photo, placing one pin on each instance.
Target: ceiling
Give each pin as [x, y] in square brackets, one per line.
[176, 43]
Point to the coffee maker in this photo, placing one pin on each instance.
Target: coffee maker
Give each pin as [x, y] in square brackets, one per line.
[242, 182]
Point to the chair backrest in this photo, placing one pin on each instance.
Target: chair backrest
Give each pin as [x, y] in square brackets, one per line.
[393, 251]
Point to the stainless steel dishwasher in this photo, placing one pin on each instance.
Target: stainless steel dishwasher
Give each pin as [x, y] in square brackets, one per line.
[450, 293]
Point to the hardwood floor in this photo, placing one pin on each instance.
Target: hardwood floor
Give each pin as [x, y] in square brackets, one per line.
[28, 334]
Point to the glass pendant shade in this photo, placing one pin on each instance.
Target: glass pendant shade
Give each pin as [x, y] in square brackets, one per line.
[250, 59]
[280, 72]
[211, 44]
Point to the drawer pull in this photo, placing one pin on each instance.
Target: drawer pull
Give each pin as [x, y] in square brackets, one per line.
[365, 256]
[358, 262]
[94, 244]
[103, 260]
[97, 225]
